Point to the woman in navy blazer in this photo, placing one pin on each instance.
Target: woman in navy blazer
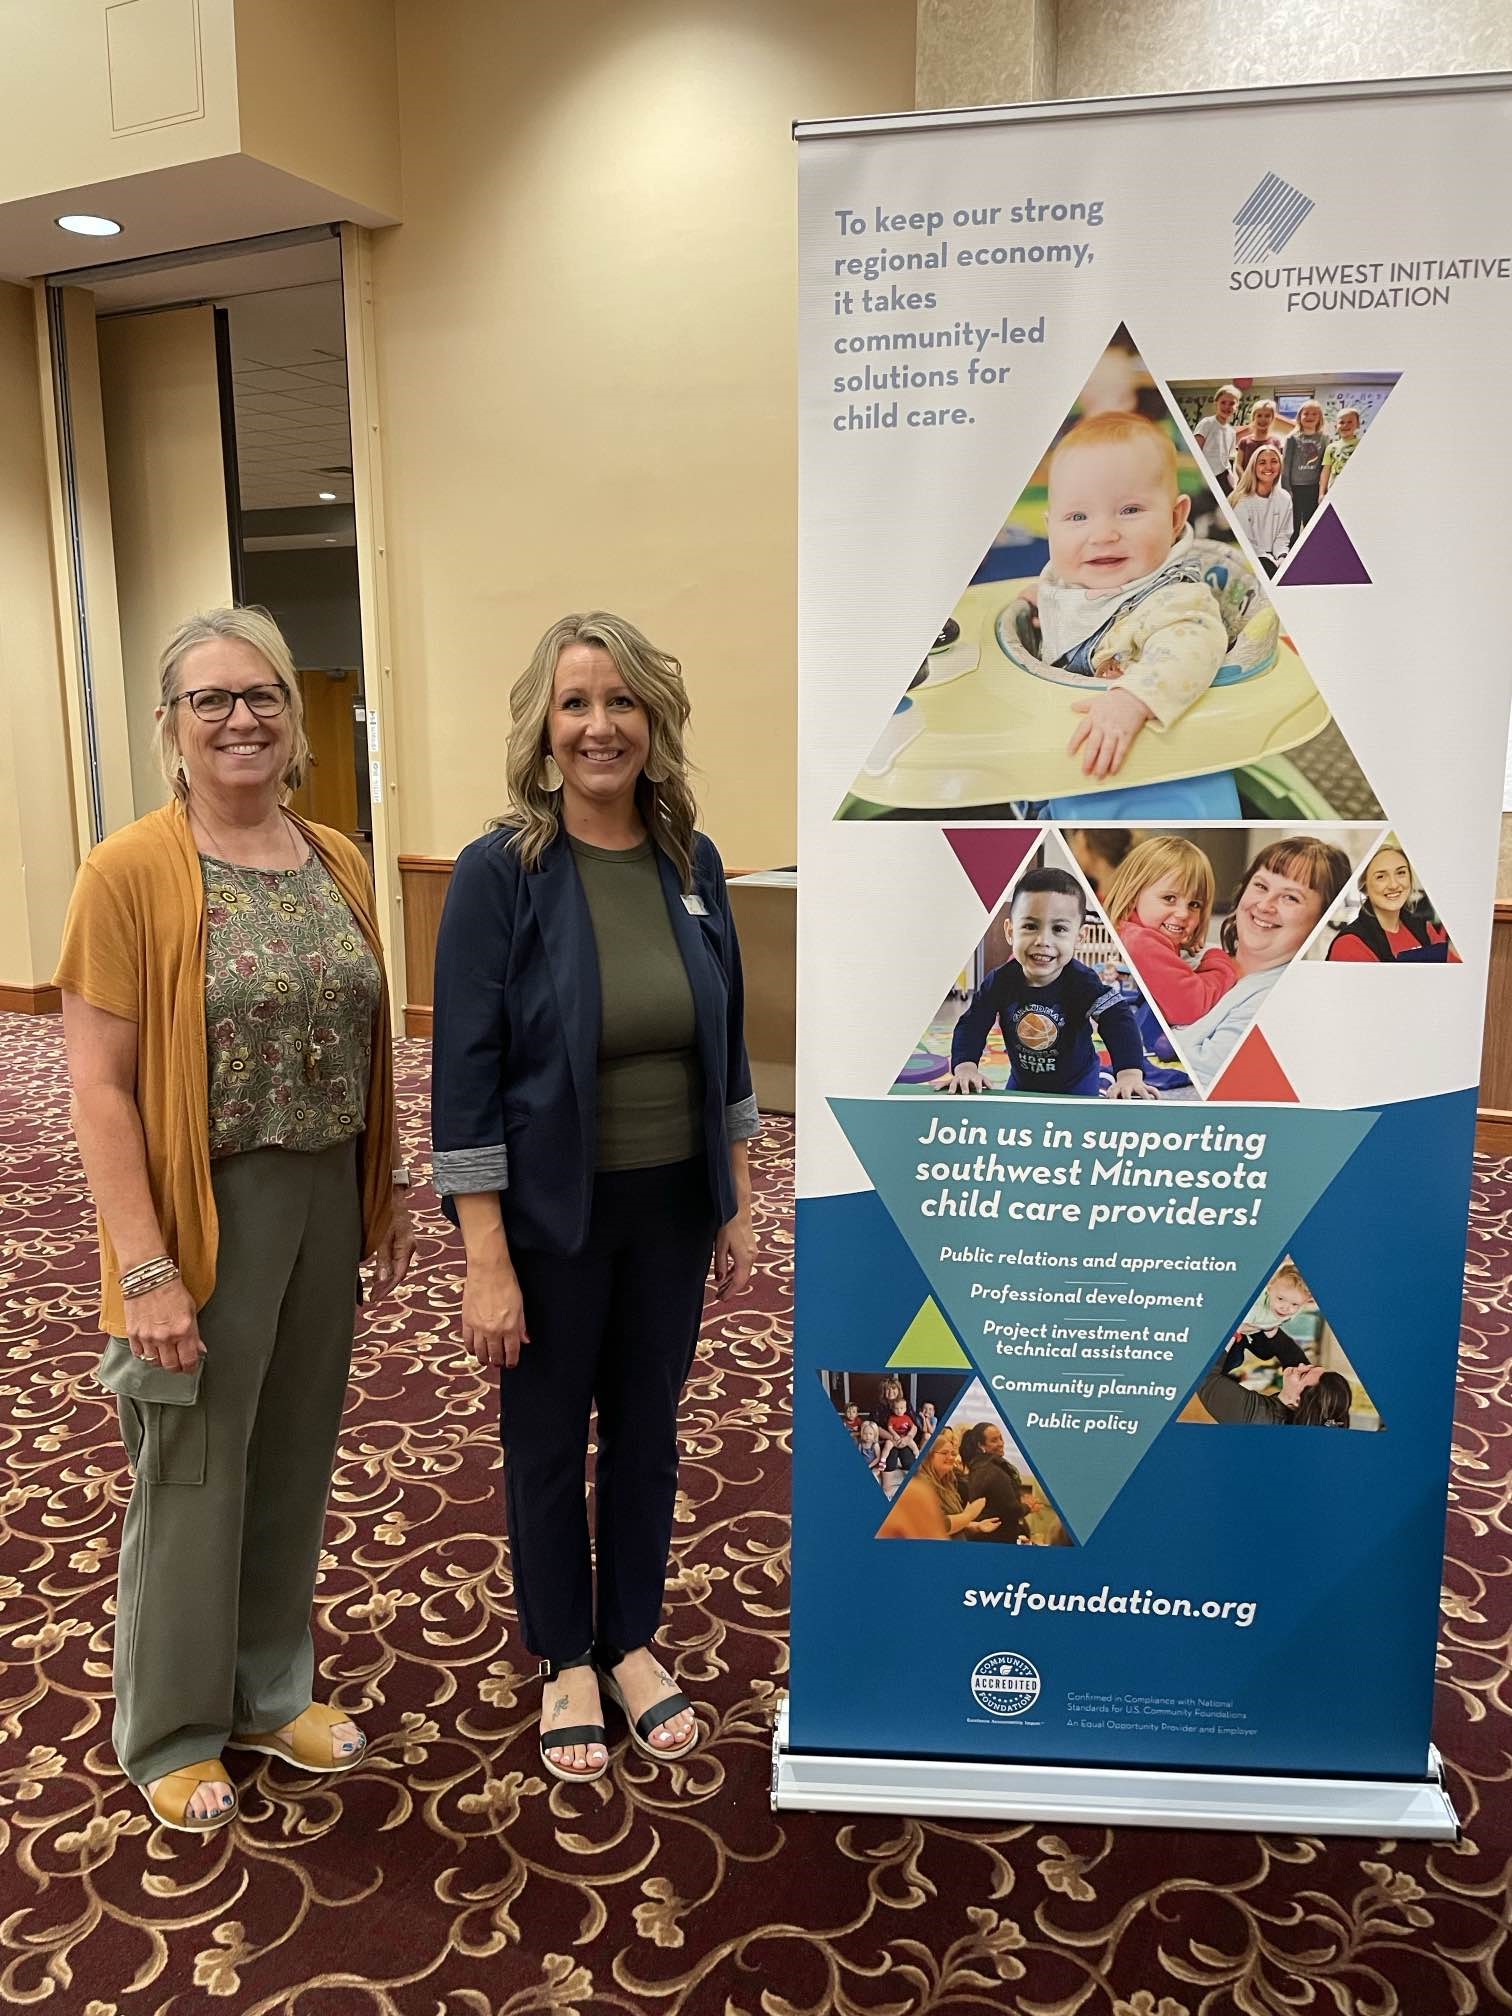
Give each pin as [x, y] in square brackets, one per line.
[591, 1106]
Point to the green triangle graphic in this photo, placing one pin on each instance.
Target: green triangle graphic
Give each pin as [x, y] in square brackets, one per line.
[928, 1342]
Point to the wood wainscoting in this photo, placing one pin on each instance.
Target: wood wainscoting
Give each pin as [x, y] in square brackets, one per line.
[423, 882]
[29, 1000]
[424, 878]
[1493, 1123]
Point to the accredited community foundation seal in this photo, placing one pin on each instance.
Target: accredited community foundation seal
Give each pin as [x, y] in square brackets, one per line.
[1005, 1683]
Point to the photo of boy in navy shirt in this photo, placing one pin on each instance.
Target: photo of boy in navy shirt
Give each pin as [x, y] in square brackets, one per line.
[1046, 1002]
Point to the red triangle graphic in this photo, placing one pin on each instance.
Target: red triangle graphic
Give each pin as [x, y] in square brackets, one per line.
[1252, 1073]
[992, 856]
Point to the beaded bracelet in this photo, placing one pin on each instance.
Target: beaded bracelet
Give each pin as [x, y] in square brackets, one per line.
[150, 1274]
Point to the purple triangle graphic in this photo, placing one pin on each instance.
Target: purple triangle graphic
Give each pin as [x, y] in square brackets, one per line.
[990, 856]
[1327, 558]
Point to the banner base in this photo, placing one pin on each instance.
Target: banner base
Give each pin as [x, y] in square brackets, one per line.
[933, 1788]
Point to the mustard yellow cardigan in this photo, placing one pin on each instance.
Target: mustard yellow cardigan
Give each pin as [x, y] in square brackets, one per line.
[134, 945]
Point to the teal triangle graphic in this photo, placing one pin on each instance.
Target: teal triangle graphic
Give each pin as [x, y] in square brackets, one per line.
[1093, 1257]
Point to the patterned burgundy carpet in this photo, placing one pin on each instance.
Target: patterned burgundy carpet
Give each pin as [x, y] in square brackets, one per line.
[449, 1877]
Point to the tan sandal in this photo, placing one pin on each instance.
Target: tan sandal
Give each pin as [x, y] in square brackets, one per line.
[168, 1797]
[310, 1749]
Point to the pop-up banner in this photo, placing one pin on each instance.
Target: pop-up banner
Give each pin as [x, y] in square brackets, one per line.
[1154, 693]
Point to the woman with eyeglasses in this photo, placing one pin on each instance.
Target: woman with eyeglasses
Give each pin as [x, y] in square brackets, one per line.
[227, 1027]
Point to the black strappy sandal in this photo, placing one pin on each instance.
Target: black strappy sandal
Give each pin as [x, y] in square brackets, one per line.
[579, 1732]
[606, 1658]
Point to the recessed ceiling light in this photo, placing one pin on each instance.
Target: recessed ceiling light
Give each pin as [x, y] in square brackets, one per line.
[330, 542]
[328, 496]
[89, 227]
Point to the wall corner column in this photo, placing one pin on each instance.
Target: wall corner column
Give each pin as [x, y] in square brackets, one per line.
[984, 52]
[38, 841]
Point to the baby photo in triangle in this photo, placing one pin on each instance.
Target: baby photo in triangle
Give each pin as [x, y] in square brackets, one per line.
[1284, 1367]
[1277, 448]
[1116, 655]
[1385, 917]
[974, 1482]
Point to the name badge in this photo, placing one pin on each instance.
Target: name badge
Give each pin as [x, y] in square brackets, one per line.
[695, 906]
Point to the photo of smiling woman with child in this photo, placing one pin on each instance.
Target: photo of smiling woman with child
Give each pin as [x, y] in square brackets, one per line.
[1284, 1367]
[1208, 961]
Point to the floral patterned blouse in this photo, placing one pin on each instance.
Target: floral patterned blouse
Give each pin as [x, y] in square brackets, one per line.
[291, 992]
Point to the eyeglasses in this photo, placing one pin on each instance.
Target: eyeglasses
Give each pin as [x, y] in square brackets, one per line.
[214, 703]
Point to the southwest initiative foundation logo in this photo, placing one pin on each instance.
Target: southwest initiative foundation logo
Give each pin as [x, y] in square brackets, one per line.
[1005, 1683]
[1268, 219]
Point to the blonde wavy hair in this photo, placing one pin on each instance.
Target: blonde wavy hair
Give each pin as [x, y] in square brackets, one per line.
[246, 626]
[1152, 861]
[663, 792]
[1249, 483]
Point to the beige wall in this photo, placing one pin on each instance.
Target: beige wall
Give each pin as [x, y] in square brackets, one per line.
[172, 544]
[318, 94]
[1117, 46]
[37, 855]
[586, 358]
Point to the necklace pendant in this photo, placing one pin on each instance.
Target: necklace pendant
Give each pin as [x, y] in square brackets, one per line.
[312, 1063]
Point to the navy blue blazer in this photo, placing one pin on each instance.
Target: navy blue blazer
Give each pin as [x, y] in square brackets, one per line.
[514, 1070]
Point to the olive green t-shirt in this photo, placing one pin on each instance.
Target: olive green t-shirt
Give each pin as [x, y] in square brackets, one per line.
[650, 1082]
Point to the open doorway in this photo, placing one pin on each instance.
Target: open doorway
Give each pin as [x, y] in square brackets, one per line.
[216, 439]
[272, 327]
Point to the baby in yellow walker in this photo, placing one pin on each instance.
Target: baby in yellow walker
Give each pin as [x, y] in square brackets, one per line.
[1123, 601]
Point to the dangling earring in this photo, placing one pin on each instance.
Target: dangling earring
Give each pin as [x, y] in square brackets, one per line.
[551, 773]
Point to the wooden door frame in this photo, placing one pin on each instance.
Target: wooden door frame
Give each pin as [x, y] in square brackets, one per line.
[373, 594]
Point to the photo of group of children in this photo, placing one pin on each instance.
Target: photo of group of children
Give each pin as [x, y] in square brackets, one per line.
[1283, 1368]
[1130, 962]
[1385, 917]
[943, 1458]
[1277, 447]
[1116, 655]
[891, 1416]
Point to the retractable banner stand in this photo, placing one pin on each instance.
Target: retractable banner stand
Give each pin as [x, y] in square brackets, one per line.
[1154, 694]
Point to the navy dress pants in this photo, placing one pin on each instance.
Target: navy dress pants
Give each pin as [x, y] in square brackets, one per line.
[614, 1326]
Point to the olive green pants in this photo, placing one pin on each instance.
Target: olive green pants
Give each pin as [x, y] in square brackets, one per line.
[232, 1467]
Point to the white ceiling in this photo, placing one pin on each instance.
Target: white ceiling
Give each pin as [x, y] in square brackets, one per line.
[288, 360]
